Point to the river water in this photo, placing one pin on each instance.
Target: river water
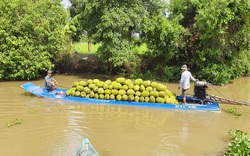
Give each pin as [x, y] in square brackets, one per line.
[57, 128]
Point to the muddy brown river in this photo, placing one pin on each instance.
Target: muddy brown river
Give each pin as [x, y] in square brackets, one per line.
[57, 128]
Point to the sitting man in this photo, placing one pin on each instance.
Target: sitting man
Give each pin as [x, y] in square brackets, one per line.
[49, 82]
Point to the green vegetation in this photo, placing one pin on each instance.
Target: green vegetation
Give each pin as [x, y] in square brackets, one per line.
[129, 37]
[31, 36]
[234, 111]
[240, 144]
[14, 122]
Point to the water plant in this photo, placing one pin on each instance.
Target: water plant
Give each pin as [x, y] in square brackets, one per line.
[240, 144]
[234, 111]
[13, 122]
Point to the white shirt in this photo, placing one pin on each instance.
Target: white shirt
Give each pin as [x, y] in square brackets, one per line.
[186, 76]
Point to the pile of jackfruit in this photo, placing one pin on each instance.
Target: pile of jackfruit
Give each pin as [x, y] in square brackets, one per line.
[123, 89]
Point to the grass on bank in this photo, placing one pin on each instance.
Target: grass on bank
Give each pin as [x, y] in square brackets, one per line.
[83, 48]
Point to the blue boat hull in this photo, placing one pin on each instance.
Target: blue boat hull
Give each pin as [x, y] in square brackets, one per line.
[194, 105]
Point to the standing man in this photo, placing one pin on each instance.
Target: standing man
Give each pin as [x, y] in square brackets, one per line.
[50, 82]
[186, 76]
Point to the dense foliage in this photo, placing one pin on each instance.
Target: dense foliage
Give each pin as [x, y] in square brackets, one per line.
[239, 145]
[217, 38]
[31, 35]
[211, 37]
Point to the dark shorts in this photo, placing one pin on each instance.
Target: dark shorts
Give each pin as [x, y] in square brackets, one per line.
[50, 88]
[184, 92]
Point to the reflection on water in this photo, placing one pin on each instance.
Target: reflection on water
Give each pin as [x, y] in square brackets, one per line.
[56, 128]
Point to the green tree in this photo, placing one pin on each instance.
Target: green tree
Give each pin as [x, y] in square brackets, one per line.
[31, 36]
[217, 38]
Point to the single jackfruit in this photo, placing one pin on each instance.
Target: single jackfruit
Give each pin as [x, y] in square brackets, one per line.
[145, 93]
[122, 92]
[142, 88]
[146, 83]
[124, 97]
[130, 92]
[83, 83]
[127, 82]
[137, 98]
[136, 87]
[74, 84]
[120, 80]
[119, 97]
[160, 100]
[83, 94]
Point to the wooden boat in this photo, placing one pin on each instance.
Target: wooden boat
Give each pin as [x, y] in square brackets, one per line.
[192, 103]
[86, 149]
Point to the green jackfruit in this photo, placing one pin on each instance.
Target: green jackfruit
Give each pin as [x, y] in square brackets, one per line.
[99, 84]
[161, 87]
[152, 99]
[79, 88]
[114, 91]
[101, 96]
[146, 99]
[119, 97]
[146, 83]
[138, 81]
[125, 87]
[111, 86]
[131, 98]
[111, 96]
[91, 94]
[162, 94]
[107, 91]
[83, 83]
[136, 87]
[127, 82]
[149, 89]
[86, 90]
[83, 94]
[154, 93]
[95, 81]
[160, 100]
[68, 92]
[100, 91]
[105, 86]
[92, 85]
[124, 97]
[145, 93]
[122, 92]
[142, 88]
[137, 98]
[130, 92]
[168, 93]
[96, 96]
[74, 84]
[90, 81]
[131, 86]
[138, 93]
[117, 85]
[106, 96]
[108, 82]
[154, 84]
[120, 80]
[95, 89]
[141, 99]
[87, 96]
[77, 93]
